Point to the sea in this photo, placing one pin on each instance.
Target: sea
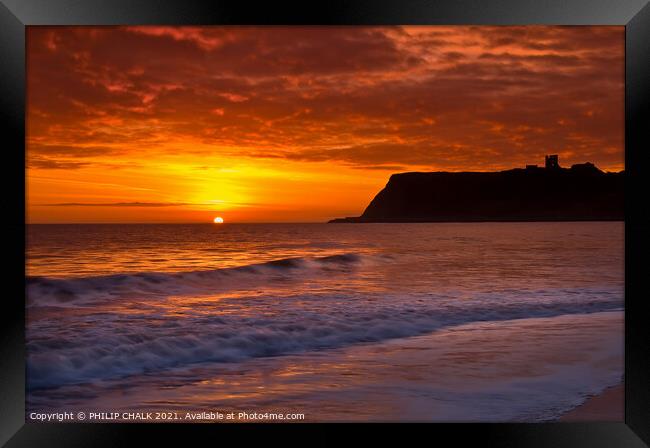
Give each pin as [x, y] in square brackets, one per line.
[466, 322]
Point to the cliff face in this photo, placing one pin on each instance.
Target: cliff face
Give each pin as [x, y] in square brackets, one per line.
[581, 193]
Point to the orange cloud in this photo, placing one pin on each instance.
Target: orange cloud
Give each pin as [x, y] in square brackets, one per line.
[148, 105]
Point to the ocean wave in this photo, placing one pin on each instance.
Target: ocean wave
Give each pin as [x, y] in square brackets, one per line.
[43, 291]
[105, 346]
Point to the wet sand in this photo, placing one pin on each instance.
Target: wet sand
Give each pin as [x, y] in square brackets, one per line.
[524, 370]
[608, 406]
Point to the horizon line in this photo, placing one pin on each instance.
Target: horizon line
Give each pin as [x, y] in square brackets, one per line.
[180, 222]
[323, 222]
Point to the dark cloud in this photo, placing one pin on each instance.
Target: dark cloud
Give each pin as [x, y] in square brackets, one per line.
[391, 168]
[70, 151]
[46, 164]
[115, 204]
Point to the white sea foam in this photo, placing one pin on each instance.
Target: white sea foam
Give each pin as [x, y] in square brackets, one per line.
[195, 298]
[107, 346]
[42, 291]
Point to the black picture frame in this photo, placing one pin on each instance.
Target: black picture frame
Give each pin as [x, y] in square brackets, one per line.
[15, 15]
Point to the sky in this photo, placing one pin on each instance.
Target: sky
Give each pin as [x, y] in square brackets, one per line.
[302, 124]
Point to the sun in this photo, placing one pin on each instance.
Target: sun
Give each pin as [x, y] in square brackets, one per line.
[218, 220]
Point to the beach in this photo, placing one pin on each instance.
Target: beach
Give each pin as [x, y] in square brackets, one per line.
[498, 322]
[608, 406]
[346, 223]
[511, 371]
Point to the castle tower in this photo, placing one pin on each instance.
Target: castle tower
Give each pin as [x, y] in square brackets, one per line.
[552, 162]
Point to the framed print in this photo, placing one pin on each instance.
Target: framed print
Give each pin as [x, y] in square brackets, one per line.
[229, 217]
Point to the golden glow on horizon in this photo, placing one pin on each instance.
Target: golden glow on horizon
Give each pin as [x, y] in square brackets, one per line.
[218, 220]
[190, 120]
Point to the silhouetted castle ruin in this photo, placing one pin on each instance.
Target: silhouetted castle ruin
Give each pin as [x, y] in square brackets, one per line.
[551, 162]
